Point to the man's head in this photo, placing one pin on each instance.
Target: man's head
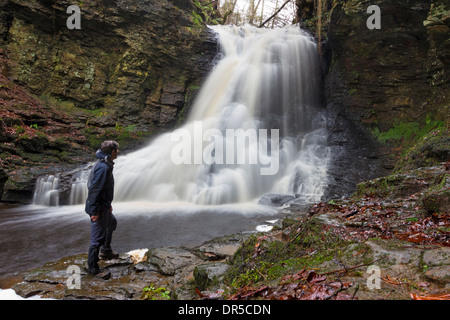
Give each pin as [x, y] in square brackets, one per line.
[110, 147]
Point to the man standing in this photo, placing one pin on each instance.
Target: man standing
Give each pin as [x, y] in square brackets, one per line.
[98, 207]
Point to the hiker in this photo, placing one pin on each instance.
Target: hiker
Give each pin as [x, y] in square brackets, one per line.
[98, 207]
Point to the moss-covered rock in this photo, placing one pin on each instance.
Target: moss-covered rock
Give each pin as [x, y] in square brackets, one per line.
[430, 150]
[209, 276]
[304, 243]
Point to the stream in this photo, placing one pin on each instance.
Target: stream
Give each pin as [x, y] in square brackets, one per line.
[33, 235]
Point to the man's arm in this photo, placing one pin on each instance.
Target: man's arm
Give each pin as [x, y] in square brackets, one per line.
[98, 181]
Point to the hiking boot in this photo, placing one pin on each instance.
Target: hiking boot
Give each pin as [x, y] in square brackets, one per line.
[99, 273]
[108, 255]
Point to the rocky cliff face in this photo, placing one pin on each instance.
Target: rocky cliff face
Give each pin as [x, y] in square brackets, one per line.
[130, 71]
[386, 87]
[398, 73]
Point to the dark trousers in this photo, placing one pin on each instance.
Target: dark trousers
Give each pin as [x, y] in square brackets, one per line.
[101, 236]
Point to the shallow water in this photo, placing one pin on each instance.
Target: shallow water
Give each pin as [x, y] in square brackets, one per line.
[33, 235]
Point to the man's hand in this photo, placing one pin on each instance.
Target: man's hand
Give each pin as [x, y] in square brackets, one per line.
[94, 218]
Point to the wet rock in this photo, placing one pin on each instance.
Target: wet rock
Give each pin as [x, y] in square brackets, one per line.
[387, 76]
[437, 257]
[169, 260]
[209, 275]
[221, 248]
[18, 186]
[275, 200]
[375, 79]
[402, 185]
[52, 280]
[393, 252]
[125, 54]
[439, 274]
[168, 267]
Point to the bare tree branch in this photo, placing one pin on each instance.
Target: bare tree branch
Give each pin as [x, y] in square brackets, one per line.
[274, 15]
[229, 12]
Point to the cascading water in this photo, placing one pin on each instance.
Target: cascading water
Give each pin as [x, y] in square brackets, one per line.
[46, 191]
[266, 79]
[256, 127]
[78, 190]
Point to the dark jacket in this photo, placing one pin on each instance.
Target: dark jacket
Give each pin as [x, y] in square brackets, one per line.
[100, 185]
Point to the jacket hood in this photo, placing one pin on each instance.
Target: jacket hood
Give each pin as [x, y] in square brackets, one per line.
[104, 157]
[101, 155]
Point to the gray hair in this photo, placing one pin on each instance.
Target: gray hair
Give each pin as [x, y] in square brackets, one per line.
[109, 146]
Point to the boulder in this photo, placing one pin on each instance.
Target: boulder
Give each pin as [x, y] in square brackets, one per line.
[275, 200]
[169, 260]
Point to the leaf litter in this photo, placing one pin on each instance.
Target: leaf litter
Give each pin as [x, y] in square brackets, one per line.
[303, 285]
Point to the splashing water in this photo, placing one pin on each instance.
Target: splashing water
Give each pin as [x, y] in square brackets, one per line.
[256, 127]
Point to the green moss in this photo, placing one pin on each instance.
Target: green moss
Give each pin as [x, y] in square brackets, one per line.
[437, 198]
[19, 129]
[431, 149]
[352, 91]
[380, 187]
[265, 260]
[204, 14]
[402, 131]
[127, 137]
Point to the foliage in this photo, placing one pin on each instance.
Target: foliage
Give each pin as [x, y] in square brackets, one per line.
[406, 133]
[430, 150]
[152, 293]
[303, 285]
[267, 13]
[261, 260]
[204, 14]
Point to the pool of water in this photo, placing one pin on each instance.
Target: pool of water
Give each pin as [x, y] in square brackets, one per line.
[33, 235]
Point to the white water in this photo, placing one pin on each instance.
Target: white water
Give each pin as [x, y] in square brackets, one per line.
[46, 191]
[266, 79]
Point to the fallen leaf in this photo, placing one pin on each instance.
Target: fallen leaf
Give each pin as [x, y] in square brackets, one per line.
[423, 284]
[314, 278]
[436, 296]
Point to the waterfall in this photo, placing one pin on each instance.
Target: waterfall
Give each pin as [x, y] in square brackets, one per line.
[256, 127]
[46, 191]
[50, 189]
[79, 190]
[264, 92]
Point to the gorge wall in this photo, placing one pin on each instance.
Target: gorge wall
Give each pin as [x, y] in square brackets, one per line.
[385, 88]
[398, 73]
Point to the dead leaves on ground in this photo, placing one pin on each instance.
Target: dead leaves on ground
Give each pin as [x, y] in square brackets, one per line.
[303, 285]
[376, 218]
[438, 296]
